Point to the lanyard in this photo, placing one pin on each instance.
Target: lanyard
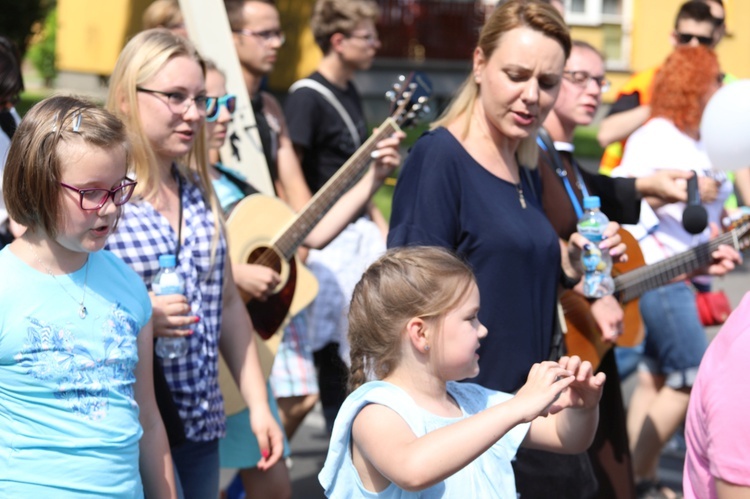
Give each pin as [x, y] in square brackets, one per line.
[546, 144]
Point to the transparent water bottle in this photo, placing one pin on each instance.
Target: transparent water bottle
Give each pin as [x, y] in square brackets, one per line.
[597, 264]
[169, 282]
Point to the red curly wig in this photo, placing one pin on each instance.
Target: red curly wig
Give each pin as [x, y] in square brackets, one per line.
[682, 85]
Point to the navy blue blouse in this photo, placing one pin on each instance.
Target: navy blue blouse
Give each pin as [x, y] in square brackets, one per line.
[444, 197]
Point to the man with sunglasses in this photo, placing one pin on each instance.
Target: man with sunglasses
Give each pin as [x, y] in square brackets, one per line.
[695, 24]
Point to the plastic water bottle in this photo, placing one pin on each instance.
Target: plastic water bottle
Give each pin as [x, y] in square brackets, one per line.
[169, 282]
[597, 264]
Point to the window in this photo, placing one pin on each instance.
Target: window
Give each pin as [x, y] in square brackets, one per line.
[612, 17]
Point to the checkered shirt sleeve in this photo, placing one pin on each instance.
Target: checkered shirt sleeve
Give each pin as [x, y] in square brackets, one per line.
[142, 235]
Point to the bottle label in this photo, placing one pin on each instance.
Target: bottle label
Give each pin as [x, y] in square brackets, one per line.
[168, 284]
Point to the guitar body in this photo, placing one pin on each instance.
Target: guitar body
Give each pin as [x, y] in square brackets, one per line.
[583, 337]
[252, 225]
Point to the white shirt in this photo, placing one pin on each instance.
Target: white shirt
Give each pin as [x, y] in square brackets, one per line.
[659, 145]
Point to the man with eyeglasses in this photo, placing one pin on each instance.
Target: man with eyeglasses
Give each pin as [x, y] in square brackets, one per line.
[564, 184]
[257, 35]
[695, 24]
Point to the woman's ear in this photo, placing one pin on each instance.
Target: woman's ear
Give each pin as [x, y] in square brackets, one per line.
[479, 63]
[418, 333]
[336, 40]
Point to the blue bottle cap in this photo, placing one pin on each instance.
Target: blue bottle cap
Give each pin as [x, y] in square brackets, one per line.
[167, 260]
[590, 202]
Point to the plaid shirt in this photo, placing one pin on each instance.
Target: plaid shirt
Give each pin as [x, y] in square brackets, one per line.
[142, 235]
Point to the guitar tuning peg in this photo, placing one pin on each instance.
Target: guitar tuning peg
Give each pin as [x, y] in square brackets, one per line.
[416, 107]
[422, 99]
[397, 87]
[425, 109]
[401, 78]
[390, 95]
[412, 85]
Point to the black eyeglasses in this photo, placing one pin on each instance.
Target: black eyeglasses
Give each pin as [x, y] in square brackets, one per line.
[582, 79]
[266, 35]
[685, 38]
[369, 38]
[94, 198]
[213, 106]
[178, 102]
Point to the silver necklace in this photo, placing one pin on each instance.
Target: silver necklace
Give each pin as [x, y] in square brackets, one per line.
[82, 312]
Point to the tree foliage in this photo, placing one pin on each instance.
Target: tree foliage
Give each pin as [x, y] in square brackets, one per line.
[19, 16]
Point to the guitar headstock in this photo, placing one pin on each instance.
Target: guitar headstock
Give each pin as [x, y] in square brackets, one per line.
[409, 98]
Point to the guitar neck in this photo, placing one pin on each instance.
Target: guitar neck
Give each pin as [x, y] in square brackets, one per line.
[292, 236]
[633, 284]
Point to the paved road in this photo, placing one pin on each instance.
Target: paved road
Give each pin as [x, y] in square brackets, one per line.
[310, 444]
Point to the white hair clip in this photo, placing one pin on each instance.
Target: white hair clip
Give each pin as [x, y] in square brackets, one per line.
[54, 122]
[77, 124]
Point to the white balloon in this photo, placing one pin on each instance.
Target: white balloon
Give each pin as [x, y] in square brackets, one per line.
[725, 127]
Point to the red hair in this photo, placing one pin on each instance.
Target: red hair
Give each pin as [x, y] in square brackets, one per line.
[682, 85]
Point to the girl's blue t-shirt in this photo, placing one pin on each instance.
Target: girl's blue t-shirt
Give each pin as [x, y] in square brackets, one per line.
[69, 422]
[489, 475]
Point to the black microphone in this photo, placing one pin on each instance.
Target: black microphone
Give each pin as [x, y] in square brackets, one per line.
[695, 216]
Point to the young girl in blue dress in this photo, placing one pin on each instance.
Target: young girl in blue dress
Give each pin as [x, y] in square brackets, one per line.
[78, 416]
[413, 328]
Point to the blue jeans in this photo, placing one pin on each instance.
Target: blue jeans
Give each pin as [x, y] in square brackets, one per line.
[197, 472]
[675, 338]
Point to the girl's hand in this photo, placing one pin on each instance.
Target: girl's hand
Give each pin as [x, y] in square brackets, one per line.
[171, 315]
[257, 282]
[585, 390]
[269, 435]
[387, 156]
[545, 383]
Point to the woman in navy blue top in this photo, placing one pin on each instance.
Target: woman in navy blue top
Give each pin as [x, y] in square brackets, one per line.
[470, 185]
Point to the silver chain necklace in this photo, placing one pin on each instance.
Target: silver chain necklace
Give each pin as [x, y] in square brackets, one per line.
[82, 312]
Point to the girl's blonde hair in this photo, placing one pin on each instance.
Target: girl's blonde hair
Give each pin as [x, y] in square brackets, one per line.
[416, 281]
[510, 15]
[33, 170]
[141, 59]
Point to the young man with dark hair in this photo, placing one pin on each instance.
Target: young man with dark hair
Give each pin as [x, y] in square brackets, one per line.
[327, 125]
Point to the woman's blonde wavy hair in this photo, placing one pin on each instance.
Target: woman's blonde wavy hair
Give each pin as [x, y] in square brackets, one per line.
[141, 59]
[510, 15]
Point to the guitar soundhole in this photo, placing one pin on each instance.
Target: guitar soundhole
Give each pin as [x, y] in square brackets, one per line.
[268, 316]
[267, 257]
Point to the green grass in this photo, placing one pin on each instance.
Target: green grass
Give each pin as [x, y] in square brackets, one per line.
[27, 100]
[586, 144]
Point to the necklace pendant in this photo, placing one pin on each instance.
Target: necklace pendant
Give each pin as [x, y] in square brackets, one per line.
[521, 199]
[82, 312]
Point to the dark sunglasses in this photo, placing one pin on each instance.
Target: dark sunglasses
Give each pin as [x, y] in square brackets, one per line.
[685, 38]
[213, 106]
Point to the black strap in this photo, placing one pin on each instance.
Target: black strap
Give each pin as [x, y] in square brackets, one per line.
[8, 123]
[549, 146]
[266, 134]
[178, 246]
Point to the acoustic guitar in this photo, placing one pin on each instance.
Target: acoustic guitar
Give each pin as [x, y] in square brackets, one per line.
[632, 279]
[254, 235]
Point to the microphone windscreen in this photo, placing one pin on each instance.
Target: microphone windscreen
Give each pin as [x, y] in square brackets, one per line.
[695, 219]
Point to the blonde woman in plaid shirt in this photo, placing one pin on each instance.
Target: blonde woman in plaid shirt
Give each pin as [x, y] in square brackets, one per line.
[158, 90]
